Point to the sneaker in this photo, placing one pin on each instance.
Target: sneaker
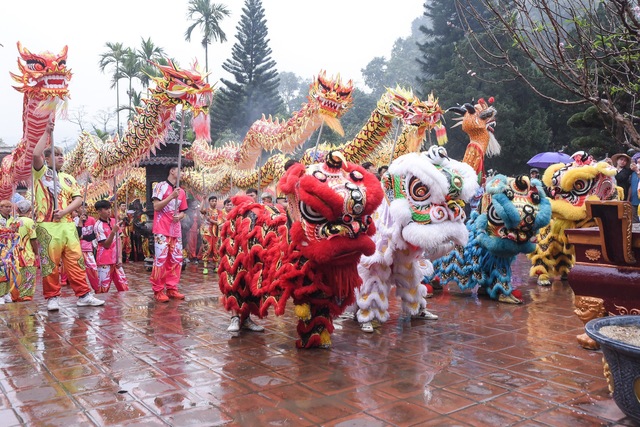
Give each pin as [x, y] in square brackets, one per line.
[174, 294]
[426, 315]
[205, 271]
[53, 304]
[89, 300]
[161, 297]
[251, 325]
[234, 326]
[7, 298]
[366, 327]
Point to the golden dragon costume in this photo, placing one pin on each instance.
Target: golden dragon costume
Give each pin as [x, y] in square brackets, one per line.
[44, 80]
[328, 100]
[148, 129]
[416, 117]
[570, 186]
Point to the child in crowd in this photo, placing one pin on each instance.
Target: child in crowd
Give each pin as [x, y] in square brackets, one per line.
[107, 256]
[86, 230]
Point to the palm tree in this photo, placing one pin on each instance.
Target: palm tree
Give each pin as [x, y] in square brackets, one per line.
[206, 15]
[129, 69]
[114, 55]
[148, 51]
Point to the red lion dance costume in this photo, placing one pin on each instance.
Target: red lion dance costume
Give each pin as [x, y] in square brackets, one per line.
[314, 259]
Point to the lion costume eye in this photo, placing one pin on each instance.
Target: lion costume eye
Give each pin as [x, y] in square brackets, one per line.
[493, 216]
[310, 214]
[582, 186]
[418, 190]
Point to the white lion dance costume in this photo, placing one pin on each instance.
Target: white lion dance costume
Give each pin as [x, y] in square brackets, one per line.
[422, 214]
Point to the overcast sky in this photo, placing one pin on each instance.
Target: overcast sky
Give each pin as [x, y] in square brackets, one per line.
[339, 36]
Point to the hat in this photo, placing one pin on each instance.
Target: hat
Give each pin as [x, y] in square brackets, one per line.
[534, 170]
[615, 158]
[635, 157]
[266, 196]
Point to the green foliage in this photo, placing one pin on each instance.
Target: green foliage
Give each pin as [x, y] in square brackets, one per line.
[526, 124]
[592, 134]
[254, 90]
[207, 16]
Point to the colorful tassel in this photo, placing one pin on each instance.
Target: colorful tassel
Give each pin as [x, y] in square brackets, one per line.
[441, 135]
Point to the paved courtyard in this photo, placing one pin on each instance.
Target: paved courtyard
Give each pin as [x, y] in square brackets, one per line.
[135, 362]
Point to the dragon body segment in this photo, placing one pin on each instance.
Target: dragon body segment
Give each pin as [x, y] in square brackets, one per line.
[149, 126]
[570, 185]
[422, 212]
[44, 80]
[328, 100]
[309, 254]
[416, 117]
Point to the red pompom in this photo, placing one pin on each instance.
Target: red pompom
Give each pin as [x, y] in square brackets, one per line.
[491, 99]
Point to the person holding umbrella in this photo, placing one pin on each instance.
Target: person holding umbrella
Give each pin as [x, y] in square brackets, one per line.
[534, 173]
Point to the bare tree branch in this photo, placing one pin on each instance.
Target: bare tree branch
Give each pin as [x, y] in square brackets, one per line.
[588, 48]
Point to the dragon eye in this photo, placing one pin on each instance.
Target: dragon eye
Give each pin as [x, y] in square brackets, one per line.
[418, 191]
[310, 214]
[582, 186]
[62, 63]
[35, 65]
[493, 216]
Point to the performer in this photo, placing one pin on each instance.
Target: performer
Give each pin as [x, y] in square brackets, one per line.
[169, 205]
[191, 227]
[125, 236]
[56, 231]
[8, 241]
[136, 236]
[213, 218]
[85, 227]
[108, 260]
[26, 254]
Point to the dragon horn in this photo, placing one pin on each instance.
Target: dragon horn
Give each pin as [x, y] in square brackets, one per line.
[470, 108]
[458, 110]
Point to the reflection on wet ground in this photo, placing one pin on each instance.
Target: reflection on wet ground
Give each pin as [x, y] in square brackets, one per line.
[134, 362]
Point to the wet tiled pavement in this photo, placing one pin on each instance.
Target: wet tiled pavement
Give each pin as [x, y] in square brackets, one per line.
[135, 362]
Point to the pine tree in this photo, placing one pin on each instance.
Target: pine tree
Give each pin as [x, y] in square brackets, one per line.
[254, 90]
[442, 34]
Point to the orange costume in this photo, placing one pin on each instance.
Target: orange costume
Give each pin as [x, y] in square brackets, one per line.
[210, 230]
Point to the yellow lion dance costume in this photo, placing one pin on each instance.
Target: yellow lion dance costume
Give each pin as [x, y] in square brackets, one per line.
[570, 186]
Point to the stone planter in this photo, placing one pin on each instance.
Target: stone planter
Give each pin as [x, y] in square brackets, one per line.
[621, 362]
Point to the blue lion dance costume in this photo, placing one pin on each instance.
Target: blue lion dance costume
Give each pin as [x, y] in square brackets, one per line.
[511, 213]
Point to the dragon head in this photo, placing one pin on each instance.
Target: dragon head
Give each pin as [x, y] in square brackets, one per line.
[479, 121]
[331, 204]
[332, 98]
[426, 193]
[186, 87]
[571, 185]
[423, 117]
[44, 74]
[513, 210]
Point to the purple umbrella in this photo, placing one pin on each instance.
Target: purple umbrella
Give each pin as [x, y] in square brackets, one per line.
[546, 159]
